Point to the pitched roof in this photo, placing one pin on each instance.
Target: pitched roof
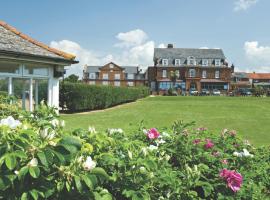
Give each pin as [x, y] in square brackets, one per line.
[172, 53]
[12, 40]
[259, 75]
[128, 69]
[240, 74]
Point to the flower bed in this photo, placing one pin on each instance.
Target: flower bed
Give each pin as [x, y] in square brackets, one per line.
[40, 160]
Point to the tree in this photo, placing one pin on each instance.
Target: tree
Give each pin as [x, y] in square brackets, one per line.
[72, 78]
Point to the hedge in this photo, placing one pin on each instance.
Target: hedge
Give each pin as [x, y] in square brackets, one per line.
[80, 96]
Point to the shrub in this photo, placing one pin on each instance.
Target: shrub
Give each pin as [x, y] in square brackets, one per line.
[79, 96]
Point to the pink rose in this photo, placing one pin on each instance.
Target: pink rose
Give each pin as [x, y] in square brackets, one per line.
[153, 133]
[234, 180]
[196, 141]
[224, 162]
[209, 144]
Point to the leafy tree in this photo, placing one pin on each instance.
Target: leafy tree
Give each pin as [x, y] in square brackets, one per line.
[72, 78]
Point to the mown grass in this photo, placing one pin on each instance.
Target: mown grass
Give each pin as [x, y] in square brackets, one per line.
[250, 116]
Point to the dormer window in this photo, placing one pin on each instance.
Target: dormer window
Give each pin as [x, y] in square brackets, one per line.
[165, 62]
[191, 60]
[111, 66]
[177, 62]
[204, 62]
[217, 62]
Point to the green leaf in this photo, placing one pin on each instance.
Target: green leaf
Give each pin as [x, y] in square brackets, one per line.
[34, 194]
[34, 172]
[88, 181]
[4, 183]
[20, 154]
[42, 158]
[10, 161]
[78, 183]
[24, 196]
[71, 141]
[23, 171]
[100, 172]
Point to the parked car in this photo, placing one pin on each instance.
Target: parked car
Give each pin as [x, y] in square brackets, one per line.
[245, 92]
[205, 92]
[216, 92]
[193, 92]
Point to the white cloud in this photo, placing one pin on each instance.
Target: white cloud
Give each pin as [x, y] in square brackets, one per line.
[131, 38]
[135, 50]
[244, 4]
[258, 56]
[162, 45]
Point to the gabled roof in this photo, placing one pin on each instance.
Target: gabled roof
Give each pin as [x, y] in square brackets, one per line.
[240, 75]
[259, 75]
[172, 53]
[127, 69]
[12, 40]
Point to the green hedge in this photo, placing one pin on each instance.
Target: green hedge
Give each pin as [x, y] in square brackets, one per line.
[80, 96]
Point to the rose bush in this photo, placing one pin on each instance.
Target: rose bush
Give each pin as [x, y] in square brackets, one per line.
[40, 160]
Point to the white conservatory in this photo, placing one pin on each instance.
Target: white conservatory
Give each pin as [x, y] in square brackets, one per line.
[30, 70]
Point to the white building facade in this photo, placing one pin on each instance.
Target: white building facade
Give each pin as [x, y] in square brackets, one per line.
[30, 70]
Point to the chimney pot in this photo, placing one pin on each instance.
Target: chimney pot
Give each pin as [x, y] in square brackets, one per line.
[170, 46]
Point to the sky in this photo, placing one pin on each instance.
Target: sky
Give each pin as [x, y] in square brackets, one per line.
[127, 31]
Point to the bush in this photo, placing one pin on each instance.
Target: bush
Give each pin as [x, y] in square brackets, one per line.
[79, 96]
[40, 160]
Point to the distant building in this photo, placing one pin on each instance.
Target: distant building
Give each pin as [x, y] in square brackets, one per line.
[196, 69]
[240, 80]
[113, 74]
[259, 79]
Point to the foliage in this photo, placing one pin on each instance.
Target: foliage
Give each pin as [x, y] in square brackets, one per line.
[79, 96]
[72, 78]
[40, 160]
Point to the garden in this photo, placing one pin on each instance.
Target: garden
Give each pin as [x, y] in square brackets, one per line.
[41, 159]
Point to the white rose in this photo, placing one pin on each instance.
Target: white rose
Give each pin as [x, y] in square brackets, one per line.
[92, 129]
[89, 164]
[10, 122]
[33, 162]
[44, 133]
[55, 122]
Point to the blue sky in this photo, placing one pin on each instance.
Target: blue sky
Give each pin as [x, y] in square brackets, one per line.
[126, 31]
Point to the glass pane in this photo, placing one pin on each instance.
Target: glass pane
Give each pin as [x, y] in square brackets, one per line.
[40, 92]
[21, 92]
[11, 68]
[3, 85]
[36, 70]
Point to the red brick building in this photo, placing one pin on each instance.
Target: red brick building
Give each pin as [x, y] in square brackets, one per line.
[113, 74]
[195, 69]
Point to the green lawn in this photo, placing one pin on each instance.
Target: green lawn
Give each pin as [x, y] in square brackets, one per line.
[250, 116]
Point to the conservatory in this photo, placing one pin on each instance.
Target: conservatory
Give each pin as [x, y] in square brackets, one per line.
[30, 70]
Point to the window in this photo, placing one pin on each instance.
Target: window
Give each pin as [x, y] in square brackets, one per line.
[164, 73]
[104, 82]
[177, 73]
[92, 75]
[217, 74]
[117, 83]
[92, 82]
[204, 74]
[191, 61]
[192, 73]
[4, 84]
[117, 76]
[217, 62]
[165, 85]
[9, 68]
[105, 76]
[130, 83]
[204, 62]
[177, 62]
[165, 62]
[35, 70]
[130, 76]
[111, 66]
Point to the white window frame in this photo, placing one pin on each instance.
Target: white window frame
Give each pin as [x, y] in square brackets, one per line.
[191, 58]
[130, 76]
[111, 66]
[217, 74]
[117, 83]
[205, 62]
[130, 83]
[116, 76]
[204, 74]
[177, 62]
[165, 62]
[192, 73]
[164, 73]
[105, 76]
[92, 75]
[217, 62]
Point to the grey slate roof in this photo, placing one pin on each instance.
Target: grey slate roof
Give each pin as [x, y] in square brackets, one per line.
[128, 69]
[9, 41]
[240, 75]
[184, 53]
